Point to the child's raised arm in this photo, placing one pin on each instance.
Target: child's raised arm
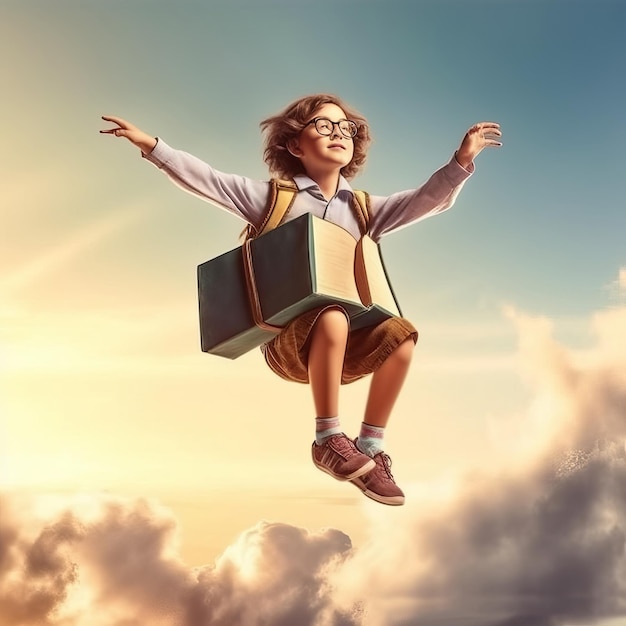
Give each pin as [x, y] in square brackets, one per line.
[135, 135]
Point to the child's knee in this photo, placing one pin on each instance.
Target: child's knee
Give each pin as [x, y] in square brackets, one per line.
[404, 352]
[333, 324]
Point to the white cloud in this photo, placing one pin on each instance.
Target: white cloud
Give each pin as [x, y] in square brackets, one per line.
[534, 543]
[116, 562]
[617, 288]
[540, 543]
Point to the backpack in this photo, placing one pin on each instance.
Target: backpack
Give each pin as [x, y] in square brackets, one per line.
[282, 196]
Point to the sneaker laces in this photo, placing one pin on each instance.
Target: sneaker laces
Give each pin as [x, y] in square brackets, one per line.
[386, 463]
[342, 444]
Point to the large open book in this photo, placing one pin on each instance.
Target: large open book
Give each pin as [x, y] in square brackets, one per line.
[248, 294]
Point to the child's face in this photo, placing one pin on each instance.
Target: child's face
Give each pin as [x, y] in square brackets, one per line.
[323, 153]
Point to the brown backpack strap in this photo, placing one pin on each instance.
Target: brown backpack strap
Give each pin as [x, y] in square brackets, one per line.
[361, 206]
[281, 198]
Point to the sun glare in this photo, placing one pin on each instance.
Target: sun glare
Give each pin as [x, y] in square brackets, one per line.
[243, 555]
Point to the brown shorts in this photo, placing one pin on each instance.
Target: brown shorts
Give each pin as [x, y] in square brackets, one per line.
[288, 353]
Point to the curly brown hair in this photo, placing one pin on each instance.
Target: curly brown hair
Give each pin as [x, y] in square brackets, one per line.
[288, 124]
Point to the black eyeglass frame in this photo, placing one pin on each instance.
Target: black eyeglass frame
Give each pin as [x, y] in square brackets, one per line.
[352, 123]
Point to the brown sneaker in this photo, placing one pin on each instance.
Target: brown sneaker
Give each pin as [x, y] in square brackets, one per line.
[338, 456]
[379, 484]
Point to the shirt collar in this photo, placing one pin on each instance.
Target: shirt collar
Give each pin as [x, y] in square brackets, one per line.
[303, 183]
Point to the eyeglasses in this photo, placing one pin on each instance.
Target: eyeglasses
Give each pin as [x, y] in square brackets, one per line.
[325, 127]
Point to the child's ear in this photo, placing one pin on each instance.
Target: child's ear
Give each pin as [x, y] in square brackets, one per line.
[294, 147]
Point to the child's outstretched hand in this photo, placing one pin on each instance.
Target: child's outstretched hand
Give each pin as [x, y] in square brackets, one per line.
[135, 135]
[480, 136]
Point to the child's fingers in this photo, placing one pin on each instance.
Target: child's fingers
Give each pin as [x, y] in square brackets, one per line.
[121, 122]
[118, 132]
[487, 124]
[122, 126]
[484, 128]
[113, 118]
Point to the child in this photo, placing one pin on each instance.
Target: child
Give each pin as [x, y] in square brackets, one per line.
[321, 143]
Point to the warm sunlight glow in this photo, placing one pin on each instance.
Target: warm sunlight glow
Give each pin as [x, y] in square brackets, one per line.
[243, 555]
[143, 481]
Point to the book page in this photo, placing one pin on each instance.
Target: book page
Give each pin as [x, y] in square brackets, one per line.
[371, 277]
[333, 248]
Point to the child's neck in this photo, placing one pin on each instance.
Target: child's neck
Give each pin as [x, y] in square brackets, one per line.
[326, 181]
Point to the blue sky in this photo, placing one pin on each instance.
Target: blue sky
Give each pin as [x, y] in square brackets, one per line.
[539, 224]
[98, 251]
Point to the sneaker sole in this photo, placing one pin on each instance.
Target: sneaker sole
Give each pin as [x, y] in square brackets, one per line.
[388, 500]
[368, 467]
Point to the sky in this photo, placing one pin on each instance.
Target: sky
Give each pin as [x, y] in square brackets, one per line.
[143, 481]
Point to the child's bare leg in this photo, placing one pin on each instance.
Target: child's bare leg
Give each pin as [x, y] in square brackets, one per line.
[332, 451]
[385, 387]
[326, 354]
[386, 384]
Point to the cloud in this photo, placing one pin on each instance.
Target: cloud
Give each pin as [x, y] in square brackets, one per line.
[617, 288]
[538, 541]
[117, 564]
[534, 544]
[34, 575]
[280, 578]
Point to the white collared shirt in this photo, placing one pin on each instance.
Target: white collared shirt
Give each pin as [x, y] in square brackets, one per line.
[247, 198]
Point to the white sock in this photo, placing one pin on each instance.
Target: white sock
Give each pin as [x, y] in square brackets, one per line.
[370, 439]
[326, 427]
